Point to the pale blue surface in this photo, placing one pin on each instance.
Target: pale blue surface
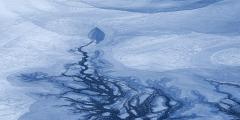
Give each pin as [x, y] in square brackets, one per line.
[120, 60]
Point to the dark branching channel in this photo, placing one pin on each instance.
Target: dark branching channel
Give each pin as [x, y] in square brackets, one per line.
[91, 95]
[99, 97]
[94, 96]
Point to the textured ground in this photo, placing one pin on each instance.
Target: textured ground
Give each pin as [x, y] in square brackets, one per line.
[119, 59]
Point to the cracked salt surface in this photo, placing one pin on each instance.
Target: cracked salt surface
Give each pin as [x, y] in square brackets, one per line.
[229, 56]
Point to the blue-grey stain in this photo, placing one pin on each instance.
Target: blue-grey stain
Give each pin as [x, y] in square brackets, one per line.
[96, 34]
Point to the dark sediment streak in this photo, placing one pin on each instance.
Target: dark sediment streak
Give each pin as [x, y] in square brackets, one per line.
[103, 98]
[91, 95]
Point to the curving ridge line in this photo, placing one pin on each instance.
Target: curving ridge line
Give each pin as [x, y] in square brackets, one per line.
[152, 6]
